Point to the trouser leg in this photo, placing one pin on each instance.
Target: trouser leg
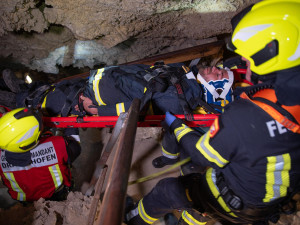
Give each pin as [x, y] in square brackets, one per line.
[192, 217]
[170, 151]
[167, 195]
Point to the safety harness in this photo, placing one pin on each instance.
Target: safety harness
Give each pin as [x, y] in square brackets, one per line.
[162, 76]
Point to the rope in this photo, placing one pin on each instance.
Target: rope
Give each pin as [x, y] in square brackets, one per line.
[152, 176]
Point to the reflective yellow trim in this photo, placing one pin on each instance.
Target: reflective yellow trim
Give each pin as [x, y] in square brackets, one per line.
[96, 81]
[148, 219]
[189, 219]
[15, 186]
[145, 89]
[211, 180]
[43, 106]
[120, 108]
[285, 175]
[168, 154]
[209, 152]
[181, 131]
[277, 177]
[56, 175]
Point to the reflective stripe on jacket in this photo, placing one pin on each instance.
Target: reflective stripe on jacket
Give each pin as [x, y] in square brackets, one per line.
[47, 172]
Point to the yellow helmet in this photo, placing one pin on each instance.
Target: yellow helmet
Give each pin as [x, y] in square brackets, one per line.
[20, 130]
[268, 35]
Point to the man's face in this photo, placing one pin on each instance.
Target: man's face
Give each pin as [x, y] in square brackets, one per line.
[213, 73]
[216, 83]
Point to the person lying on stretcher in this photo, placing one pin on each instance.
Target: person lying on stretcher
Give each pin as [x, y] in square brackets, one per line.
[215, 89]
[109, 91]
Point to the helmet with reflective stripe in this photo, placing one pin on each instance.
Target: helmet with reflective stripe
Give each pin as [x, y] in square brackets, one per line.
[268, 35]
[20, 130]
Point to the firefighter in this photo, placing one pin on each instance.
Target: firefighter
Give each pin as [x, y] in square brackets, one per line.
[253, 148]
[33, 165]
[109, 91]
[99, 99]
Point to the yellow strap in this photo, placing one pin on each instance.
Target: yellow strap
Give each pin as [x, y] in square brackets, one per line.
[152, 176]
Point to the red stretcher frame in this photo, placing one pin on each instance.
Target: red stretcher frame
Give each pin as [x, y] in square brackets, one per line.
[200, 120]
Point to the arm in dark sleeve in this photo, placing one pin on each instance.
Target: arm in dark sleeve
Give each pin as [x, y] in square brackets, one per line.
[73, 148]
[214, 148]
[188, 138]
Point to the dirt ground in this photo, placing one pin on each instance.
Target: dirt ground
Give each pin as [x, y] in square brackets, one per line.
[75, 210]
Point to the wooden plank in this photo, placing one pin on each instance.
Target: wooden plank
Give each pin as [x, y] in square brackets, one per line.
[112, 208]
[184, 55]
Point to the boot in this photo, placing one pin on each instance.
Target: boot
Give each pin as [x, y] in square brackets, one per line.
[129, 205]
[8, 99]
[162, 161]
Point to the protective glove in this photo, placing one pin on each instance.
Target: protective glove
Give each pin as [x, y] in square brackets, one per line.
[169, 119]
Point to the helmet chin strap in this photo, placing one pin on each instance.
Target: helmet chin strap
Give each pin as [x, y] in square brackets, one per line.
[212, 89]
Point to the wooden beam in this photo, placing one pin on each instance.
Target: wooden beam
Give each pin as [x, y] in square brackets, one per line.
[184, 55]
[113, 204]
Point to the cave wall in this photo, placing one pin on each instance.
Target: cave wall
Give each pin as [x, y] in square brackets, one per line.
[43, 35]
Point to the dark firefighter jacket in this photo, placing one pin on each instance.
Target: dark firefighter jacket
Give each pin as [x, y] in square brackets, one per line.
[112, 90]
[257, 155]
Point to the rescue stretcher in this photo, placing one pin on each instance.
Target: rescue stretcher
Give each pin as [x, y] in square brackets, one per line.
[199, 120]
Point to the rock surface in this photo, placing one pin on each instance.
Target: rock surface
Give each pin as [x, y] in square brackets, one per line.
[43, 35]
